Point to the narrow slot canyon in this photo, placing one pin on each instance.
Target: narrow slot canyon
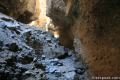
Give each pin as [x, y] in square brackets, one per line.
[59, 39]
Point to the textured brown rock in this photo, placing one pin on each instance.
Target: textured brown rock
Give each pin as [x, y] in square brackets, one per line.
[22, 10]
[96, 23]
[56, 10]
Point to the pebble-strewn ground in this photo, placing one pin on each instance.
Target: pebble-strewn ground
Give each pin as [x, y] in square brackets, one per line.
[28, 53]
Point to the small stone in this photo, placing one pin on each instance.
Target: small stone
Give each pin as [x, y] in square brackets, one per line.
[80, 71]
[14, 29]
[26, 59]
[6, 19]
[43, 57]
[63, 56]
[13, 47]
[1, 49]
[58, 74]
[7, 72]
[56, 63]
[11, 60]
[2, 61]
[1, 71]
[39, 66]
[28, 72]
[1, 43]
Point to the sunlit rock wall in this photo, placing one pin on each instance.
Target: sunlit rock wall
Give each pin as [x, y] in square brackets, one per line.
[96, 26]
[42, 18]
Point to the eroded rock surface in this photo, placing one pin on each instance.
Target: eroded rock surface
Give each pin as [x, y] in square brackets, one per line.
[22, 10]
[56, 11]
[95, 25]
[29, 53]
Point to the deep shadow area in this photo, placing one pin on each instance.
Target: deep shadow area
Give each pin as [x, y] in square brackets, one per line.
[19, 10]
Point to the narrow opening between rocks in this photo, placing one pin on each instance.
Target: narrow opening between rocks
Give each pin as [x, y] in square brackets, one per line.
[42, 20]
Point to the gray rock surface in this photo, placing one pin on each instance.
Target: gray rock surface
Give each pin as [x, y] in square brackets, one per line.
[29, 53]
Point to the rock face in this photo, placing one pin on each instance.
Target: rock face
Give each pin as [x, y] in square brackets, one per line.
[95, 25]
[32, 12]
[56, 10]
[21, 10]
[28, 53]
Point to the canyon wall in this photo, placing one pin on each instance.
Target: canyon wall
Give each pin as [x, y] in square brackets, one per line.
[42, 19]
[22, 10]
[56, 11]
[95, 24]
